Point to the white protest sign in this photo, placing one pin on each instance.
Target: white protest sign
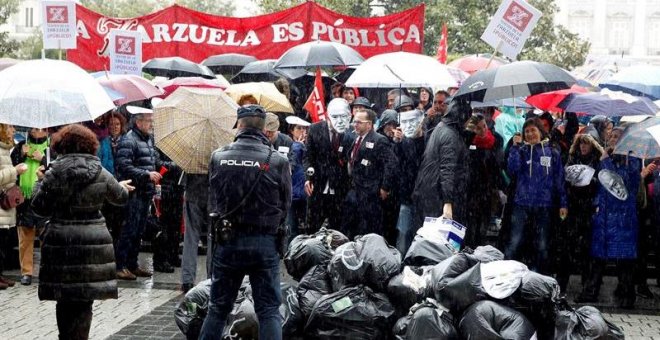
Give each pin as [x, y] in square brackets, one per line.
[58, 24]
[125, 52]
[511, 26]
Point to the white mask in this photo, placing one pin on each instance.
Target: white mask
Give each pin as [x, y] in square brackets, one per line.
[500, 279]
[410, 121]
[339, 113]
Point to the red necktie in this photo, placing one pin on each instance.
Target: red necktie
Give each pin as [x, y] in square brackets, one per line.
[356, 147]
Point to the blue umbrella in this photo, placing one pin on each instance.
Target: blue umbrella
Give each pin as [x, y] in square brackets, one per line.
[639, 80]
[608, 103]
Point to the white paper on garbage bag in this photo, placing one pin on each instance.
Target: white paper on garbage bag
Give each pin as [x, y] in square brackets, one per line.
[500, 279]
[442, 230]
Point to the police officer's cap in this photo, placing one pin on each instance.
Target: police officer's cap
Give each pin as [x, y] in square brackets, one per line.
[251, 110]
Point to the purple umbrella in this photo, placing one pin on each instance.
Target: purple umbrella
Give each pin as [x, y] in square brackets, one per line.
[608, 103]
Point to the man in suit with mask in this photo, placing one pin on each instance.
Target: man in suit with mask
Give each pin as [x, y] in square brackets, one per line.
[325, 163]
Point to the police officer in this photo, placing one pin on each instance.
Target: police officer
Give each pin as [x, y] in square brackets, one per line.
[250, 192]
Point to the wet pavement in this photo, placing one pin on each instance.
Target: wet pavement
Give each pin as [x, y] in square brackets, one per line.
[145, 308]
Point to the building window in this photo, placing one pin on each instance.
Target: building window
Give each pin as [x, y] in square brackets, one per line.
[29, 17]
[653, 36]
[581, 25]
[619, 35]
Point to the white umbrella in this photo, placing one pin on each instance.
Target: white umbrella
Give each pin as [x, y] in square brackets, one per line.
[402, 69]
[45, 93]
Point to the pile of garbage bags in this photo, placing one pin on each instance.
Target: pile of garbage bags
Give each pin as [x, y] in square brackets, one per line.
[366, 289]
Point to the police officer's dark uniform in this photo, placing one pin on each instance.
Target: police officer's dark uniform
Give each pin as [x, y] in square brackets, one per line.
[246, 243]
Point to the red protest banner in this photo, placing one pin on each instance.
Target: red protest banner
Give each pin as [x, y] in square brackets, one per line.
[178, 31]
[315, 105]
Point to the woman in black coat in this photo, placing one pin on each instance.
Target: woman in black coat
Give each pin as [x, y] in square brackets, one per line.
[77, 257]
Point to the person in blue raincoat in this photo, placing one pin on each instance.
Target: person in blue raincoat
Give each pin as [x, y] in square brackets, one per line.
[539, 184]
[615, 227]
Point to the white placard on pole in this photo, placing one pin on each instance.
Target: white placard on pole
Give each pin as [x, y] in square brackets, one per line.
[125, 52]
[58, 24]
[511, 26]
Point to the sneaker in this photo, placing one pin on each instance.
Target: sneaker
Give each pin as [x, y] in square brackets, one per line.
[140, 272]
[125, 274]
[644, 291]
[185, 287]
[26, 280]
[163, 267]
[7, 281]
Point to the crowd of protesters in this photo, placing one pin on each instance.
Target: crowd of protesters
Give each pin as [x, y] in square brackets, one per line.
[367, 168]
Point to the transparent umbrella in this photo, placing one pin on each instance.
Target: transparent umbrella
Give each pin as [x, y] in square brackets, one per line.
[46, 93]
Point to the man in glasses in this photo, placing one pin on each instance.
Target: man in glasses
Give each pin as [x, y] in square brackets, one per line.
[137, 160]
[372, 168]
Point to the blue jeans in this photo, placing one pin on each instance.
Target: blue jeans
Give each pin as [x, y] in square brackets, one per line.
[296, 215]
[405, 227]
[519, 218]
[128, 246]
[256, 256]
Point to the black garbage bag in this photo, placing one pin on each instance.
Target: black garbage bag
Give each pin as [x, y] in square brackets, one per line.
[485, 254]
[292, 317]
[424, 252]
[427, 321]
[305, 251]
[191, 311]
[331, 238]
[312, 287]
[242, 322]
[537, 288]
[351, 313]
[585, 323]
[367, 260]
[488, 320]
[537, 299]
[406, 289]
[456, 283]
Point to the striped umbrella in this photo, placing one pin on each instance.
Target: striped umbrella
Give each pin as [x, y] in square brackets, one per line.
[637, 141]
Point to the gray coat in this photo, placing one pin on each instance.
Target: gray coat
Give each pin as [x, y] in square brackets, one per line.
[77, 257]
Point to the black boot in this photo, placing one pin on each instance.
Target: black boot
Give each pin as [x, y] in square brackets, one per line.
[163, 267]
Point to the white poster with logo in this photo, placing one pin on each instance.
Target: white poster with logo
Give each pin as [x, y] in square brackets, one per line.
[511, 26]
[125, 52]
[58, 24]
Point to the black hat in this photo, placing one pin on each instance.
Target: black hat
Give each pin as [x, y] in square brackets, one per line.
[251, 110]
[361, 101]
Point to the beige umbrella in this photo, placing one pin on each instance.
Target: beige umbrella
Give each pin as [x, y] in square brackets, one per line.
[193, 122]
[266, 93]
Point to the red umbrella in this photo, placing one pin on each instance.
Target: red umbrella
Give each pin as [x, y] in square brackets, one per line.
[171, 85]
[131, 86]
[476, 62]
[548, 101]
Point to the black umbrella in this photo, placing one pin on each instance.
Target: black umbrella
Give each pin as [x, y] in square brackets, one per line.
[319, 53]
[262, 70]
[228, 63]
[518, 79]
[174, 67]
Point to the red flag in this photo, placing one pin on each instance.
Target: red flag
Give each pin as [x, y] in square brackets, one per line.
[315, 105]
[442, 47]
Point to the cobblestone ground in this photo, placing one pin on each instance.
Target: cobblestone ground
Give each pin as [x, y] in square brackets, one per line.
[145, 307]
